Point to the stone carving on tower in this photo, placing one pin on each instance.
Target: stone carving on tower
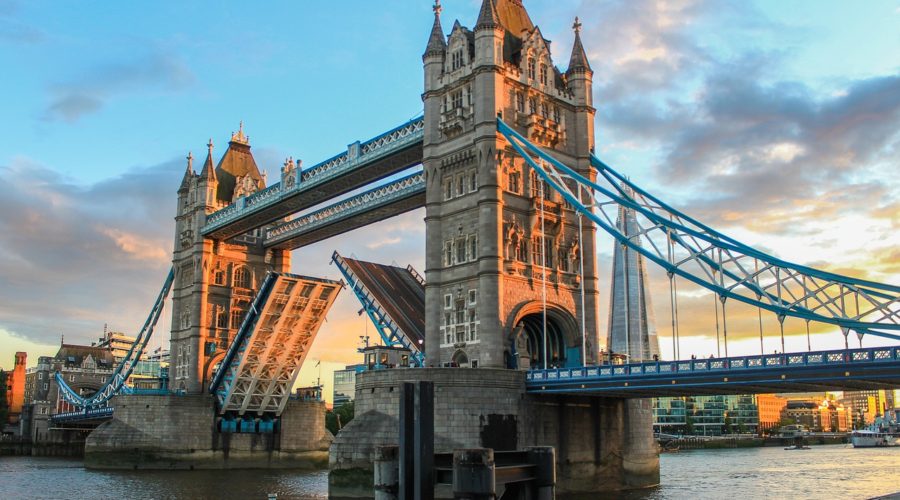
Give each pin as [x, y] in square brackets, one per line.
[497, 240]
[632, 325]
[215, 281]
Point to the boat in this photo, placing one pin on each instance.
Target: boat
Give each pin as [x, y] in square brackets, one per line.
[874, 439]
[882, 433]
[798, 447]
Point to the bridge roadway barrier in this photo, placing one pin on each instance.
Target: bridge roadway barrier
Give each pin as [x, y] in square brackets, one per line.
[601, 443]
[179, 432]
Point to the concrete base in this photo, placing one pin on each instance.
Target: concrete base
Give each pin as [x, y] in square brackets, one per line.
[179, 432]
[602, 444]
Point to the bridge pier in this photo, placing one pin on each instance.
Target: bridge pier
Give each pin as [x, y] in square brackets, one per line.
[179, 432]
[602, 444]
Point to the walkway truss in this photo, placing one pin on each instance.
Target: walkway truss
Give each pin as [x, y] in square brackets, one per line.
[688, 249]
[260, 368]
[97, 403]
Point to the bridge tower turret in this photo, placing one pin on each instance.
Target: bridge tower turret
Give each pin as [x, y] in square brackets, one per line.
[215, 282]
[496, 252]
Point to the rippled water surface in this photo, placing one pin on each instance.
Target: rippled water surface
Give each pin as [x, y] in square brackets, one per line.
[822, 472]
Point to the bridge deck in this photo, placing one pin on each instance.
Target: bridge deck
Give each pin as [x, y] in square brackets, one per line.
[855, 369]
[264, 360]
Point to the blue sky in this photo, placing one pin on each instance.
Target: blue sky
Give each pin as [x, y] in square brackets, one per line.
[776, 122]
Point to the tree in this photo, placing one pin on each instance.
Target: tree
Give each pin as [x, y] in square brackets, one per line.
[727, 423]
[339, 417]
[688, 425]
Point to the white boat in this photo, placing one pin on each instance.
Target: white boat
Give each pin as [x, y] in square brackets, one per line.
[873, 439]
[884, 432]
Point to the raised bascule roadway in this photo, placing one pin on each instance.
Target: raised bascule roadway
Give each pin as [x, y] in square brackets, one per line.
[502, 161]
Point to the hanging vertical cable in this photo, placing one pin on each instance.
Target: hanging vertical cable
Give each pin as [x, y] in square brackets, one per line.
[677, 326]
[627, 304]
[724, 325]
[672, 295]
[716, 307]
[543, 268]
[581, 281]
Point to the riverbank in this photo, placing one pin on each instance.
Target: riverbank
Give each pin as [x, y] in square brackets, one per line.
[717, 443]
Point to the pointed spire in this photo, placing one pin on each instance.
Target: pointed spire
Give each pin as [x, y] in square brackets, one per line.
[487, 16]
[209, 171]
[437, 42]
[188, 174]
[579, 61]
[239, 136]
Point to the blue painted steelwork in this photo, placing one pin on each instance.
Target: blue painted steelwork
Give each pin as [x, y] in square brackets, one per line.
[373, 199]
[222, 380]
[387, 328]
[841, 368]
[116, 382]
[686, 248]
[358, 156]
[86, 414]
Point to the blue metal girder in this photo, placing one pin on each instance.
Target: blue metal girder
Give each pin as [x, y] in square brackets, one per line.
[83, 415]
[379, 203]
[788, 290]
[870, 368]
[364, 162]
[391, 334]
[116, 382]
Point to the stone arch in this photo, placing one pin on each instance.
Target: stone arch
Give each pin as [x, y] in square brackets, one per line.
[460, 358]
[212, 364]
[526, 336]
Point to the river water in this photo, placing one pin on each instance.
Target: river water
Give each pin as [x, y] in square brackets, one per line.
[837, 471]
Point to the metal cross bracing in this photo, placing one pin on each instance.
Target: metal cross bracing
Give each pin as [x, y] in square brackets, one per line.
[260, 368]
[688, 249]
[385, 314]
[363, 163]
[817, 371]
[377, 204]
[116, 382]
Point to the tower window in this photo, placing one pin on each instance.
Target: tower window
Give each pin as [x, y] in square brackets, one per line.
[460, 251]
[543, 74]
[456, 60]
[460, 186]
[520, 102]
[236, 317]
[456, 99]
[448, 255]
[531, 68]
[241, 278]
[473, 247]
[532, 105]
[473, 181]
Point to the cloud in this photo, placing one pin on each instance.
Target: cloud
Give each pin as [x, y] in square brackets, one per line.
[156, 72]
[76, 256]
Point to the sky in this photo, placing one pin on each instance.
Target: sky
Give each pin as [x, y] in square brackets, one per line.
[774, 122]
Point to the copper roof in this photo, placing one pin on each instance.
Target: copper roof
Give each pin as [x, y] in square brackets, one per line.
[236, 162]
[75, 354]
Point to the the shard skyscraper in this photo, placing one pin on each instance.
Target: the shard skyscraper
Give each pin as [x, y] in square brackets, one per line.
[632, 326]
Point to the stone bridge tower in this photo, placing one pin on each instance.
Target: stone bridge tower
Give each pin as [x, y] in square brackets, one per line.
[497, 242]
[215, 282]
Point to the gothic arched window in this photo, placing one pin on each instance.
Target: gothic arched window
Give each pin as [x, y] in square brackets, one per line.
[241, 278]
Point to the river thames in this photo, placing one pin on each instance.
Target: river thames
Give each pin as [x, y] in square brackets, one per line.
[824, 471]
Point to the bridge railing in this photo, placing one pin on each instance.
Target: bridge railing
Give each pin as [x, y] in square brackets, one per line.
[359, 154]
[742, 363]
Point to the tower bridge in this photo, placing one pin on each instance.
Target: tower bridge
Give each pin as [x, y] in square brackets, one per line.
[502, 162]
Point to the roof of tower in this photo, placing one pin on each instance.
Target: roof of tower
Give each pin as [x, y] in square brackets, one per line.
[512, 16]
[487, 16]
[236, 162]
[437, 42]
[208, 173]
[188, 174]
[578, 60]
